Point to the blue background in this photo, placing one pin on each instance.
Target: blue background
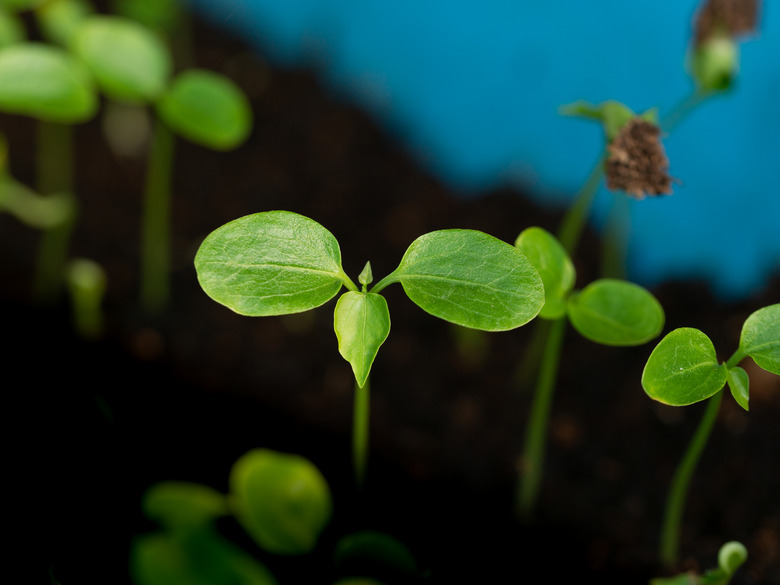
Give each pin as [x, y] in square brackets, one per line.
[472, 89]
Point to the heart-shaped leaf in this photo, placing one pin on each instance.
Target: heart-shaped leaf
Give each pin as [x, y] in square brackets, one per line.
[615, 312]
[683, 369]
[470, 278]
[270, 263]
[362, 323]
[760, 338]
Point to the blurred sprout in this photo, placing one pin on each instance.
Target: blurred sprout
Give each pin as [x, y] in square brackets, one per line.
[183, 505]
[715, 63]
[31, 208]
[87, 284]
[731, 556]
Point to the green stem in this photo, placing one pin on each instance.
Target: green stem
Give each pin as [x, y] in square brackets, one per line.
[681, 110]
[155, 237]
[532, 357]
[55, 176]
[572, 224]
[675, 501]
[360, 432]
[615, 246]
[532, 461]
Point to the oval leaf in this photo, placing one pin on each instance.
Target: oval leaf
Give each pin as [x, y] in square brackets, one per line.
[270, 263]
[739, 384]
[362, 323]
[45, 83]
[208, 109]
[760, 338]
[177, 504]
[59, 20]
[683, 369]
[553, 265]
[472, 279]
[281, 500]
[615, 312]
[129, 62]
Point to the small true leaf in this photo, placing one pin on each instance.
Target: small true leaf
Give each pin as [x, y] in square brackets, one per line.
[129, 62]
[45, 83]
[281, 500]
[472, 279]
[760, 338]
[362, 323]
[270, 263]
[615, 312]
[208, 109]
[683, 369]
[739, 384]
[553, 265]
[181, 504]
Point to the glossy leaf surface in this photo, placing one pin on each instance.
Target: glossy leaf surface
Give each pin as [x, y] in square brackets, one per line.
[281, 500]
[760, 338]
[45, 83]
[472, 279]
[208, 109]
[739, 384]
[270, 263]
[615, 312]
[683, 369]
[177, 504]
[553, 265]
[362, 323]
[129, 62]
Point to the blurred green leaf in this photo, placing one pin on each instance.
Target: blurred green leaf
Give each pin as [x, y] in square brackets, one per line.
[158, 15]
[282, 500]
[369, 548]
[33, 209]
[760, 338]
[732, 556]
[362, 323]
[715, 63]
[58, 20]
[20, 5]
[739, 384]
[11, 29]
[177, 504]
[683, 369]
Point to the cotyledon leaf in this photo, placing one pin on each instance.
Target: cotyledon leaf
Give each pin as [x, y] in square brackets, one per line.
[760, 338]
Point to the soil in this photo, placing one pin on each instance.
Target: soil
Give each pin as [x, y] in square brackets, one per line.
[182, 395]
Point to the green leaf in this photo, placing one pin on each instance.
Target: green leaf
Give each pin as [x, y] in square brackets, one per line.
[208, 109]
[20, 5]
[281, 500]
[715, 63]
[615, 312]
[33, 209]
[375, 549]
[739, 384]
[45, 83]
[59, 19]
[683, 369]
[129, 62]
[270, 263]
[732, 556]
[159, 15]
[612, 114]
[760, 338]
[362, 323]
[11, 29]
[554, 266]
[177, 504]
[470, 278]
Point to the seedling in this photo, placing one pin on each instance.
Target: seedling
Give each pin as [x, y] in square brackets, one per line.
[607, 311]
[87, 285]
[683, 369]
[731, 557]
[279, 262]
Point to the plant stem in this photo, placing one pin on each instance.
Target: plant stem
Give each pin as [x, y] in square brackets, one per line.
[614, 248]
[681, 110]
[572, 224]
[532, 357]
[155, 237]
[55, 176]
[675, 501]
[532, 461]
[360, 432]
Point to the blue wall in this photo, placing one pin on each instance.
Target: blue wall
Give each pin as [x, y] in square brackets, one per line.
[473, 88]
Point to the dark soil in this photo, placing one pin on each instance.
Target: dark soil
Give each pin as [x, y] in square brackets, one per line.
[181, 396]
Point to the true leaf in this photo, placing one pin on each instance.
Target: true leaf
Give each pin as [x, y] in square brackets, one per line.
[615, 312]
[270, 263]
[362, 323]
[683, 369]
[281, 500]
[45, 83]
[208, 109]
[129, 62]
[553, 265]
[760, 338]
[470, 278]
[739, 384]
[181, 504]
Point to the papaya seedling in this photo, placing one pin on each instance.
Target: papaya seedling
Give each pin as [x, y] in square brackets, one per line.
[279, 262]
[731, 557]
[607, 311]
[683, 369]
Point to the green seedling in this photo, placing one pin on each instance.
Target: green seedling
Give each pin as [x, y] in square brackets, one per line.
[683, 369]
[47, 84]
[279, 262]
[607, 311]
[87, 285]
[731, 557]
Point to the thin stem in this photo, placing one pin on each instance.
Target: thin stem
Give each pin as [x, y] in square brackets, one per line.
[615, 245]
[532, 462]
[675, 501]
[527, 367]
[155, 237]
[681, 110]
[572, 224]
[360, 432]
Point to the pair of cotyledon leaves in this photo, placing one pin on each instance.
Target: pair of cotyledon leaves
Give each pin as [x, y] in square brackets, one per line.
[279, 262]
[130, 64]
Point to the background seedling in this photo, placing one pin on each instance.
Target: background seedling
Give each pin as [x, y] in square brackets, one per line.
[731, 557]
[683, 369]
[279, 262]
